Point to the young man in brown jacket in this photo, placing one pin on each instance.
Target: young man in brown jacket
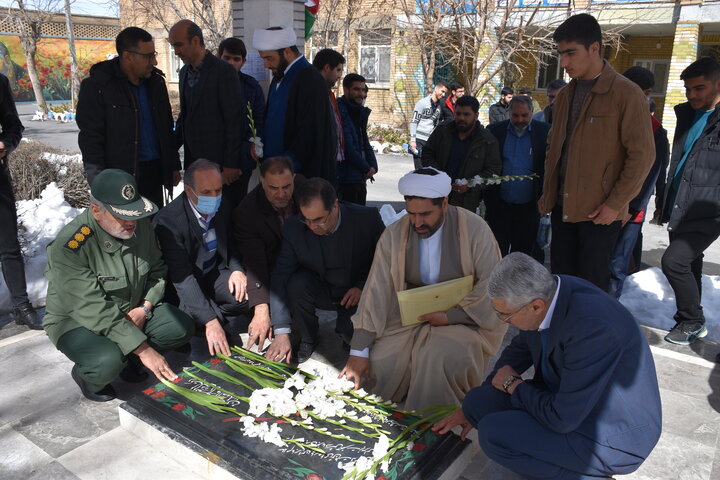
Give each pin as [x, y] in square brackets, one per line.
[599, 152]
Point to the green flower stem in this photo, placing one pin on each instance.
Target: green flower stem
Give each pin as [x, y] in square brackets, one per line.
[241, 368]
[217, 387]
[304, 446]
[280, 367]
[256, 368]
[206, 400]
[222, 376]
[345, 426]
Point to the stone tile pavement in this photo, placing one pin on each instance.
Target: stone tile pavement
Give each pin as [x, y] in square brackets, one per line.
[48, 430]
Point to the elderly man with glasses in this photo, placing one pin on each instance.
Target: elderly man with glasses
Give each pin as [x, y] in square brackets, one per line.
[125, 118]
[592, 407]
[323, 263]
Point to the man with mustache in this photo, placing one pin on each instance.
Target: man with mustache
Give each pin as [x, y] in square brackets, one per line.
[106, 283]
[512, 206]
[299, 119]
[463, 149]
[438, 360]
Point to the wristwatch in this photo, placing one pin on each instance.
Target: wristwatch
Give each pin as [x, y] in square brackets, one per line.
[509, 381]
[149, 315]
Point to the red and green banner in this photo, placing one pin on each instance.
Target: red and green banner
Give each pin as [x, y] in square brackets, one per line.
[311, 10]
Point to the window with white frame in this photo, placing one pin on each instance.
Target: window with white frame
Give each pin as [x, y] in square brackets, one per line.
[374, 58]
[661, 69]
[175, 65]
[548, 70]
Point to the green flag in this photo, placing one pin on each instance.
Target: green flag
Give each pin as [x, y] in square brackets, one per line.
[311, 10]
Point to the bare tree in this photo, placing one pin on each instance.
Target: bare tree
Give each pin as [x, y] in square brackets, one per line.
[28, 19]
[214, 17]
[74, 78]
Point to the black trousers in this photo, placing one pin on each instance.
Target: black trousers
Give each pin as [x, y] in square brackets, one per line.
[353, 193]
[682, 264]
[306, 292]
[515, 225]
[13, 267]
[150, 181]
[583, 249]
[417, 159]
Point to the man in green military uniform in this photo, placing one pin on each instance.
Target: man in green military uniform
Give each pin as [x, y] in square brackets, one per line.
[107, 279]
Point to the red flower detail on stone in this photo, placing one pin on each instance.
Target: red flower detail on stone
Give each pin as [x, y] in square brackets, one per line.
[398, 415]
[418, 447]
[281, 421]
[149, 391]
[313, 476]
[178, 407]
[158, 395]
[381, 478]
[215, 361]
[177, 380]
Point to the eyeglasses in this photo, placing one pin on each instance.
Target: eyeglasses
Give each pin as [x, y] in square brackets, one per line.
[505, 317]
[148, 56]
[319, 222]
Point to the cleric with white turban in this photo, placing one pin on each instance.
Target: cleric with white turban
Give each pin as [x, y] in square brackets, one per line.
[425, 184]
[433, 357]
[274, 38]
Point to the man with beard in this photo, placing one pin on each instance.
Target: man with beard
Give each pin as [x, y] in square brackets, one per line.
[437, 361]
[512, 206]
[106, 283]
[258, 224]
[360, 163]
[298, 121]
[463, 149]
[553, 88]
[330, 65]
[501, 110]
[125, 118]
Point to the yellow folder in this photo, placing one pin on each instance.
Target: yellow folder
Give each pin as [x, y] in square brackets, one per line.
[439, 297]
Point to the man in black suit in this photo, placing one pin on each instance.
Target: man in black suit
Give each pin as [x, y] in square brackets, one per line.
[511, 208]
[211, 123]
[324, 262]
[258, 224]
[202, 264]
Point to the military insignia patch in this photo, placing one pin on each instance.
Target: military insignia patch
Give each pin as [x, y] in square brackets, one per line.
[79, 238]
[128, 192]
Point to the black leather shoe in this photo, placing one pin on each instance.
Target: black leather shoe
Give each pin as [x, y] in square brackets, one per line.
[105, 395]
[133, 373]
[303, 352]
[26, 315]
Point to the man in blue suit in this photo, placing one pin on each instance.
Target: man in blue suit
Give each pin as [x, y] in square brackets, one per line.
[592, 408]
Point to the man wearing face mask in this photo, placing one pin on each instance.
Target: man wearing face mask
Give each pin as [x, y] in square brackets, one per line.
[201, 259]
[512, 206]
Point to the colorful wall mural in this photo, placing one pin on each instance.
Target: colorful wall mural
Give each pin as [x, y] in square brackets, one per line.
[53, 64]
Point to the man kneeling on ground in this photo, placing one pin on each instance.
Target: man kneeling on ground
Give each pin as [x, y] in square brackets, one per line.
[107, 279]
[593, 407]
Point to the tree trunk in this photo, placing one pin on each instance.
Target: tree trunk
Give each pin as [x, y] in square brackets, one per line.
[74, 79]
[30, 48]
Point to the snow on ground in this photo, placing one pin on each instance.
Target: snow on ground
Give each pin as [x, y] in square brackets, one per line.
[40, 220]
[647, 294]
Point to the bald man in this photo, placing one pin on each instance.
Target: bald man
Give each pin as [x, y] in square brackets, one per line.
[212, 123]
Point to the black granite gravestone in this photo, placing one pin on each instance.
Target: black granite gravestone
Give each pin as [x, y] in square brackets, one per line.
[220, 436]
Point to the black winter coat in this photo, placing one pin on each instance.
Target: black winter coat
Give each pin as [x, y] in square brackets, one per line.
[697, 202]
[108, 118]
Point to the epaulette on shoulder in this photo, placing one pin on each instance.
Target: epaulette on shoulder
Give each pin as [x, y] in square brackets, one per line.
[79, 238]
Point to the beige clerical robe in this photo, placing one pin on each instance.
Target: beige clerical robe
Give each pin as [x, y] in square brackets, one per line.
[422, 364]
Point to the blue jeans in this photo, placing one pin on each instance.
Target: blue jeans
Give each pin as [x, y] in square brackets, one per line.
[621, 257]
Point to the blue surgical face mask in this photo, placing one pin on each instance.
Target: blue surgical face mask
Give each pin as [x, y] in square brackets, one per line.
[207, 205]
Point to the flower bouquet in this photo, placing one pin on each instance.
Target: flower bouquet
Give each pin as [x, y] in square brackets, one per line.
[304, 423]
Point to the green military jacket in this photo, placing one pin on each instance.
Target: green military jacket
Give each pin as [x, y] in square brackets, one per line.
[95, 279]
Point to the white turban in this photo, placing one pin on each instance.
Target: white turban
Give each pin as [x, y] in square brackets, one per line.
[426, 186]
[276, 39]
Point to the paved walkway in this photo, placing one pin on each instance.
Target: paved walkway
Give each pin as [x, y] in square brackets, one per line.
[48, 430]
